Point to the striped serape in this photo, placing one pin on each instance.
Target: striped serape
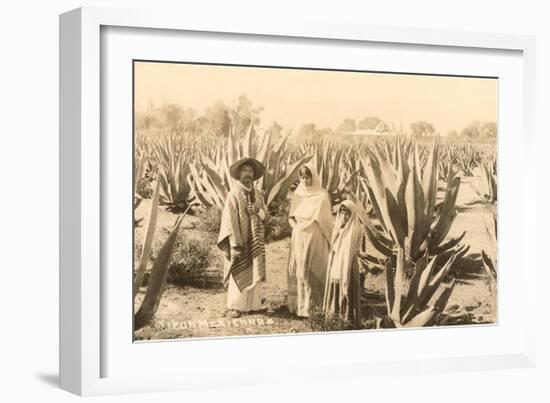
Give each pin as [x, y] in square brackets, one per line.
[238, 228]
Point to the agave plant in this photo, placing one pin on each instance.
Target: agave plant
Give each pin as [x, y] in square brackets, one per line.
[467, 158]
[489, 257]
[328, 161]
[415, 294]
[210, 179]
[159, 270]
[208, 185]
[411, 233]
[404, 200]
[389, 150]
[338, 168]
[403, 145]
[488, 191]
[446, 166]
[172, 159]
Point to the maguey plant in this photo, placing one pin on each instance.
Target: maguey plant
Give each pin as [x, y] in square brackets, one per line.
[412, 231]
[489, 256]
[172, 159]
[467, 158]
[488, 191]
[210, 179]
[446, 165]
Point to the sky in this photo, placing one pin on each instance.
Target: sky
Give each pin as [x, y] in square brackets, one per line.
[294, 97]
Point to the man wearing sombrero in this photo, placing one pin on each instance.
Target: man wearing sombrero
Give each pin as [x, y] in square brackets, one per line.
[242, 238]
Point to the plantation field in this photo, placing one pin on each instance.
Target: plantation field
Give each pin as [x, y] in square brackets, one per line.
[198, 309]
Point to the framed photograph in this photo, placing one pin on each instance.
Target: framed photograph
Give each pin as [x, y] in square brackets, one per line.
[243, 197]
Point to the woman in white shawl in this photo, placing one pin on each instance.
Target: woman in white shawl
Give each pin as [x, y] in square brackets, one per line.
[343, 288]
[311, 219]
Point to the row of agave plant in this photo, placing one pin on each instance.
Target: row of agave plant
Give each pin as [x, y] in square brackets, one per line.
[462, 158]
[210, 179]
[200, 174]
[193, 172]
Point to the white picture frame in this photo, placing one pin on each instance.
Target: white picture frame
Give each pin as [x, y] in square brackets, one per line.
[83, 173]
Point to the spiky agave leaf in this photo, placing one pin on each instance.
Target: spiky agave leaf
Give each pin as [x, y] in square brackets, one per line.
[283, 184]
[380, 192]
[156, 283]
[446, 216]
[490, 180]
[428, 290]
[409, 299]
[415, 207]
[381, 243]
[207, 188]
[148, 240]
[429, 186]
[398, 286]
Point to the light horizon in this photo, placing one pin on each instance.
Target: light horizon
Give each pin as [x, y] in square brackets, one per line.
[294, 97]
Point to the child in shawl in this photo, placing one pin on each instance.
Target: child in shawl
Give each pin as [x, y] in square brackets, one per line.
[311, 219]
[343, 289]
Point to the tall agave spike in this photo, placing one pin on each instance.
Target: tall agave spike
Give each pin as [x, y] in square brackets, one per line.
[415, 202]
[429, 184]
[248, 142]
[157, 280]
[148, 240]
[446, 215]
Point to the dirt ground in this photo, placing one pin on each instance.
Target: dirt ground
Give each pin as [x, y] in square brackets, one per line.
[200, 311]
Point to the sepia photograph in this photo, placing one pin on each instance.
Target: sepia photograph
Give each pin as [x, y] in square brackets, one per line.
[274, 200]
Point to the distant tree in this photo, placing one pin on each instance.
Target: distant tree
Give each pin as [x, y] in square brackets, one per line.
[216, 119]
[471, 132]
[326, 131]
[480, 131]
[244, 113]
[381, 127]
[370, 123]
[308, 130]
[149, 117]
[171, 115]
[422, 128]
[452, 135]
[348, 125]
[489, 131]
[146, 120]
[178, 119]
[187, 121]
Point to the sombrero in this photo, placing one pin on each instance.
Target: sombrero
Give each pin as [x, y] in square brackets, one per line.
[259, 169]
